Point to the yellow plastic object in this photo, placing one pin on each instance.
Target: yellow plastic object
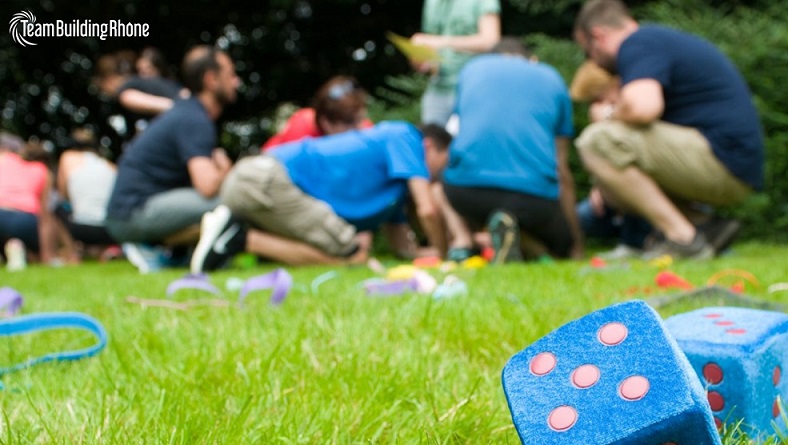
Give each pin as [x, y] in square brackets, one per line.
[404, 272]
[662, 262]
[474, 262]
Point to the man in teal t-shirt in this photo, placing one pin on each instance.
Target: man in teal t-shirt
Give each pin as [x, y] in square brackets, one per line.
[458, 29]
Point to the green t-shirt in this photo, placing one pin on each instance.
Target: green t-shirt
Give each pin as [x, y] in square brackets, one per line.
[453, 18]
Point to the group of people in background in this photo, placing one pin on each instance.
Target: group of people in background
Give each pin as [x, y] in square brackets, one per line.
[673, 136]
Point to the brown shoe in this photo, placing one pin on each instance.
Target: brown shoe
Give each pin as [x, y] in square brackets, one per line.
[698, 249]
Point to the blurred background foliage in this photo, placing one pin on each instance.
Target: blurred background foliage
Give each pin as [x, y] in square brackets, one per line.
[284, 49]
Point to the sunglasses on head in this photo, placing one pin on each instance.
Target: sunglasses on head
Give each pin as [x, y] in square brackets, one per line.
[341, 90]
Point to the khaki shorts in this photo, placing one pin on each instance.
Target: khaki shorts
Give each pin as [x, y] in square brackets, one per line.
[679, 159]
[259, 190]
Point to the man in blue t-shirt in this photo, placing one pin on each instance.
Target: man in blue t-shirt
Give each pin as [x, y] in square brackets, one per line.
[170, 174]
[508, 165]
[305, 201]
[684, 128]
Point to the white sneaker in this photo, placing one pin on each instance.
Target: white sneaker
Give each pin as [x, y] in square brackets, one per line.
[221, 237]
[621, 252]
[15, 254]
[145, 258]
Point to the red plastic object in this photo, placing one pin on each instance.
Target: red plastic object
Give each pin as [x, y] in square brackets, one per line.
[598, 263]
[669, 280]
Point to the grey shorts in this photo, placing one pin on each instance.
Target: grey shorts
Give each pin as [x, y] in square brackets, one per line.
[259, 191]
[678, 158]
[162, 215]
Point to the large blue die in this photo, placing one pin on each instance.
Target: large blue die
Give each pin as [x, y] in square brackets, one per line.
[739, 353]
[614, 376]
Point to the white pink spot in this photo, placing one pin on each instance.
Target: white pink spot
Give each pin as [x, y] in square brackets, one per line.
[562, 418]
[542, 364]
[612, 334]
[585, 376]
[633, 388]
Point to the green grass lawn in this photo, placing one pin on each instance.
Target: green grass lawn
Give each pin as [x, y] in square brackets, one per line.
[331, 366]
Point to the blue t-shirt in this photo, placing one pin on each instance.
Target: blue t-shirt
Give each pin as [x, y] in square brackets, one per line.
[703, 90]
[361, 174]
[510, 110]
[156, 160]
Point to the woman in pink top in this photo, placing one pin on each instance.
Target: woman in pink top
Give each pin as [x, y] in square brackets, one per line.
[339, 105]
[25, 182]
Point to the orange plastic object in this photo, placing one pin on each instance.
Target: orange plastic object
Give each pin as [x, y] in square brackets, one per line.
[427, 261]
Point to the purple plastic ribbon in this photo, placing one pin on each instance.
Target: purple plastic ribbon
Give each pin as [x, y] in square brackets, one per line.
[10, 301]
[279, 281]
[381, 287]
[190, 281]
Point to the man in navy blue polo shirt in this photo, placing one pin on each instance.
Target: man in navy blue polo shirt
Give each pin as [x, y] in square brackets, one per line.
[171, 173]
[684, 128]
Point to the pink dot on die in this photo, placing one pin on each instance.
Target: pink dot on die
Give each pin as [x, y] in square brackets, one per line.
[585, 376]
[775, 409]
[562, 418]
[712, 373]
[633, 388]
[713, 315]
[776, 375]
[716, 401]
[718, 423]
[736, 331]
[612, 334]
[542, 364]
[724, 323]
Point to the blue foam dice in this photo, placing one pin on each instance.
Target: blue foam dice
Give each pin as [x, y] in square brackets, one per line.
[739, 354]
[614, 376]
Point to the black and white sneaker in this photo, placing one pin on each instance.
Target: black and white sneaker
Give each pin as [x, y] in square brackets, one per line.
[221, 237]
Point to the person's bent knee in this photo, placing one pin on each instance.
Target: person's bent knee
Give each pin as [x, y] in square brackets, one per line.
[608, 141]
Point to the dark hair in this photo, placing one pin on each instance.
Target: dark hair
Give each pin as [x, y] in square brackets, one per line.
[511, 45]
[156, 59]
[438, 134]
[81, 139]
[610, 13]
[34, 151]
[120, 63]
[339, 100]
[198, 61]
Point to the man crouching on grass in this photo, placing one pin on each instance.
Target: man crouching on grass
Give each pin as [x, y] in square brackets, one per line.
[306, 202]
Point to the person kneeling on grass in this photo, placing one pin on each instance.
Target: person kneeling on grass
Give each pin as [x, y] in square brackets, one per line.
[304, 202]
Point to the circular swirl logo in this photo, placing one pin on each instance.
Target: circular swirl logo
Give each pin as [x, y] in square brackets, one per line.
[15, 27]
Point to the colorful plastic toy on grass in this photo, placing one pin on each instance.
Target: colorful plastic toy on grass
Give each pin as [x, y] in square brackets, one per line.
[614, 376]
[741, 277]
[451, 287]
[427, 262]
[10, 302]
[419, 281]
[669, 280]
[741, 355]
[49, 321]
